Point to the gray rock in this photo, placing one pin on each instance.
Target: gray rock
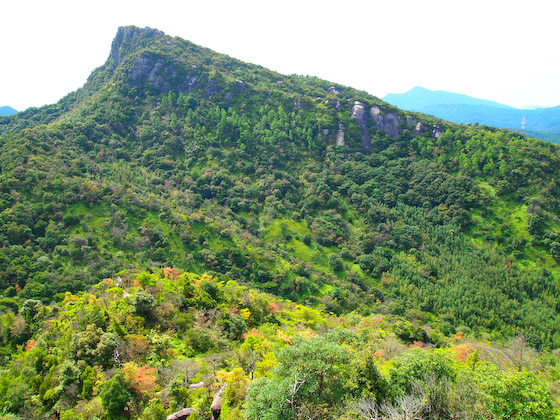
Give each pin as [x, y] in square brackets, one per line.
[154, 71]
[228, 96]
[418, 128]
[128, 39]
[241, 85]
[324, 134]
[334, 90]
[181, 414]
[360, 114]
[197, 385]
[212, 87]
[340, 135]
[375, 113]
[436, 131]
[390, 123]
[410, 121]
[216, 406]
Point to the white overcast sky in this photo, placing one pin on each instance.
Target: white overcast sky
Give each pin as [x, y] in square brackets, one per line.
[504, 50]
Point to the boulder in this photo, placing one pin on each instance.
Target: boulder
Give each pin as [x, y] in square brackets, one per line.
[216, 406]
[198, 385]
[181, 414]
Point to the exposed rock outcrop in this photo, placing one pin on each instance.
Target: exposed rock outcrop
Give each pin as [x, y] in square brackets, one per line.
[436, 131]
[181, 414]
[360, 114]
[152, 70]
[128, 39]
[416, 126]
[324, 134]
[216, 406]
[340, 135]
[390, 122]
[198, 385]
[334, 90]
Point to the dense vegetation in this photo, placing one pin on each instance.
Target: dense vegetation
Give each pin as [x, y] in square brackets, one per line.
[146, 345]
[172, 155]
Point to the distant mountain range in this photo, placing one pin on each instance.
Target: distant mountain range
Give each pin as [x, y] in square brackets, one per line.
[543, 123]
[7, 110]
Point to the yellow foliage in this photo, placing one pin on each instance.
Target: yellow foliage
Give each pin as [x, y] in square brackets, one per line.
[245, 313]
[69, 297]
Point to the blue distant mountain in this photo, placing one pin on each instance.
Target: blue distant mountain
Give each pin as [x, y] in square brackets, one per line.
[541, 122]
[7, 110]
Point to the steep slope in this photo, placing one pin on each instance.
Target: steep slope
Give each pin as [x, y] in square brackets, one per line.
[465, 109]
[174, 155]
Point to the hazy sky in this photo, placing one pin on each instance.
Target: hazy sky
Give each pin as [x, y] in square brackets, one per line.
[504, 50]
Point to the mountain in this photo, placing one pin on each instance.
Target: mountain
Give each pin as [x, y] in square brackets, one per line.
[6, 110]
[189, 230]
[172, 154]
[418, 98]
[463, 109]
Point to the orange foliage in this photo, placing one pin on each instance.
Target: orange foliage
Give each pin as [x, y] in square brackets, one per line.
[142, 378]
[416, 344]
[29, 345]
[459, 336]
[255, 332]
[170, 273]
[109, 281]
[273, 307]
[379, 353]
[462, 351]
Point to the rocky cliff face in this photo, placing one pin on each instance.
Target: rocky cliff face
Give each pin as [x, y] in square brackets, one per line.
[340, 135]
[390, 122]
[360, 114]
[130, 38]
[154, 68]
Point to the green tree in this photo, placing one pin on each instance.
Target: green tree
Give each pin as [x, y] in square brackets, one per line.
[115, 395]
[518, 396]
[312, 378]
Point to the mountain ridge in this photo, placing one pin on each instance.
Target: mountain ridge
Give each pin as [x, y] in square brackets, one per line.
[421, 97]
[7, 110]
[463, 109]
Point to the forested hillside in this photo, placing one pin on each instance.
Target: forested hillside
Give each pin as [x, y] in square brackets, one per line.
[385, 229]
